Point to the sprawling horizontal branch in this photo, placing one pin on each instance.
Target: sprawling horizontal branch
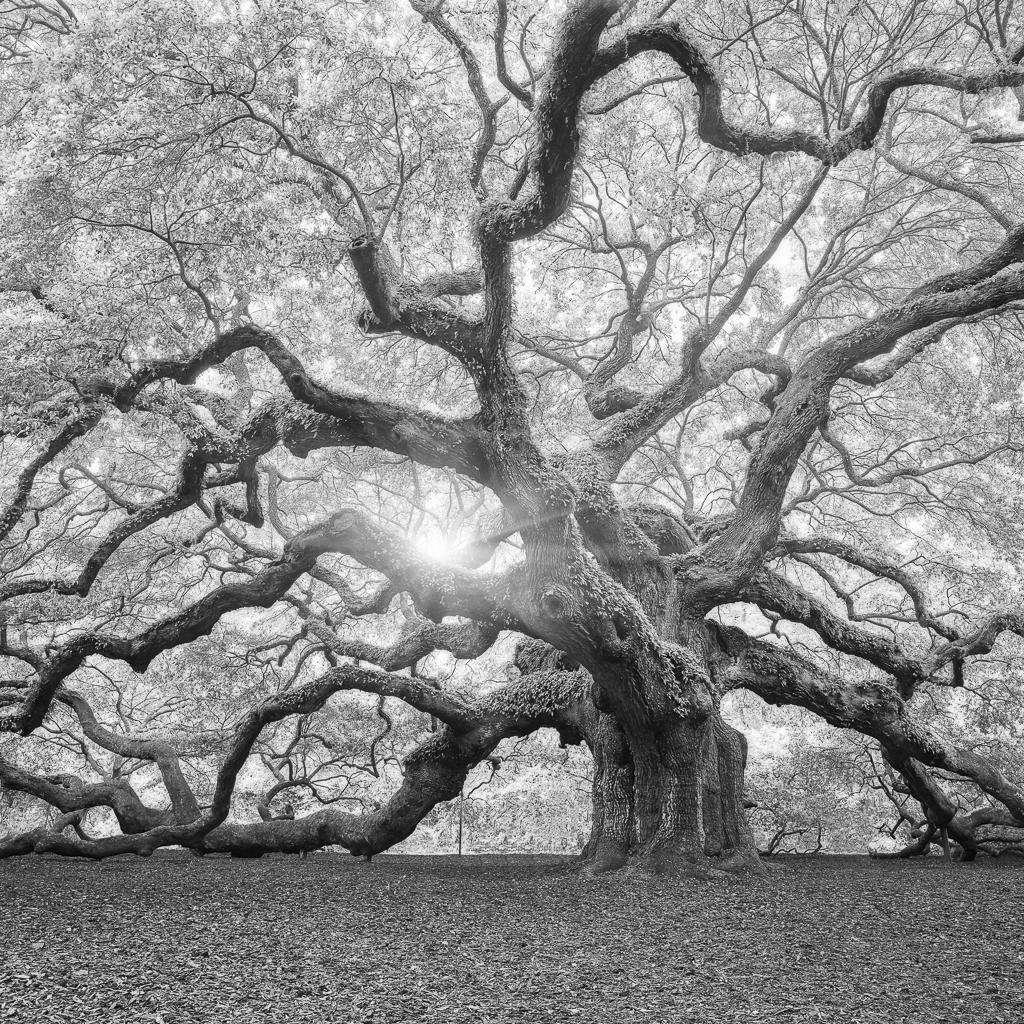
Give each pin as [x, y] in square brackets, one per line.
[871, 707]
[919, 341]
[192, 622]
[69, 794]
[774, 593]
[625, 433]
[920, 843]
[321, 417]
[417, 640]
[980, 641]
[299, 701]
[318, 417]
[437, 589]
[376, 603]
[434, 772]
[188, 488]
[22, 843]
[941, 812]
[878, 566]
[315, 417]
[717, 129]
[997, 138]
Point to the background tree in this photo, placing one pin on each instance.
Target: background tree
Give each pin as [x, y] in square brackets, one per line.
[657, 358]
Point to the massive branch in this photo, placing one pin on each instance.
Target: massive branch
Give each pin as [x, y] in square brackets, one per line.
[870, 707]
[717, 129]
[438, 590]
[434, 771]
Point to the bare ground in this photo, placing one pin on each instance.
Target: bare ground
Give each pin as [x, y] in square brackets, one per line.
[500, 939]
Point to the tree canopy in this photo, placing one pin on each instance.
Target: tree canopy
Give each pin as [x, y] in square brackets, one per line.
[566, 368]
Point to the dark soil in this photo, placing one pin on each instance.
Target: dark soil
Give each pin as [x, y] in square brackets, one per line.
[499, 939]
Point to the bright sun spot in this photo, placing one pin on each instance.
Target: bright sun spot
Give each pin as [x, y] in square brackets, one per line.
[434, 547]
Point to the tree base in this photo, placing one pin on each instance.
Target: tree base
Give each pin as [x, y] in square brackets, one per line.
[666, 863]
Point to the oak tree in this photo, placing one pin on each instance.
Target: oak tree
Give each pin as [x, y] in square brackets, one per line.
[656, 353]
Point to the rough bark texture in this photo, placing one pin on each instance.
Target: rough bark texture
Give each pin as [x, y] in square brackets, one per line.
[673, 804]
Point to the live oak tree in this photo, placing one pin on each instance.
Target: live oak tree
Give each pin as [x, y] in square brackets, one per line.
[660, 352]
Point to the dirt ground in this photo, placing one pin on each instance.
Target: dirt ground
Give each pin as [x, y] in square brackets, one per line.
[410, 939]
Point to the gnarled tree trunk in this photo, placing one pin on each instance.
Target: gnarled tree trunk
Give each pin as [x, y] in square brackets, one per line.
[670, 798]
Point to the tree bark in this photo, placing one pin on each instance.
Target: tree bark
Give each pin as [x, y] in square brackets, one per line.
[671, 800]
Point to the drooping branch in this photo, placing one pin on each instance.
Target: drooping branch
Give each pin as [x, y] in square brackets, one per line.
[22, 843]
[375, 604]
[941, 812]
[980, 641]
[438, 590]
[435, 771]
[70, 794]
[299, 701]
[904, 354]
[188, 487]
[772, 592]
[918, 845]
[338, 419]
[192, 622]
[316, 417]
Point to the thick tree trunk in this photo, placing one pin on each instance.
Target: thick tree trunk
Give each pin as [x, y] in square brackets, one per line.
[668, 783]
[668, 779]
[670, 802]
[613, 825]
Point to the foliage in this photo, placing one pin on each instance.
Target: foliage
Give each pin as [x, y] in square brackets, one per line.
[387, 382]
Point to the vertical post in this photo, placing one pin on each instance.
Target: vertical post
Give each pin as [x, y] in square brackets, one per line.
[945, 846]
[462, 797]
